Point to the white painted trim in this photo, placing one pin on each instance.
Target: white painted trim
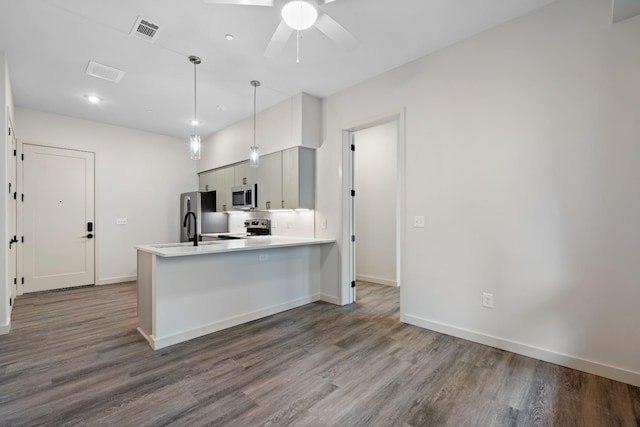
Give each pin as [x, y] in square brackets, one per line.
[345, 208]
[330, 299]
[589, 366]
[162, 342]
[377, 280]
[5, 329]
[112, 280]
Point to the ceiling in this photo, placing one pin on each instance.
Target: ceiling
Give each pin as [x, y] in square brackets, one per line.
[49, 43]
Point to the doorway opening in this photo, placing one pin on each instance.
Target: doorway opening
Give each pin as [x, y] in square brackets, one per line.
[373, 191]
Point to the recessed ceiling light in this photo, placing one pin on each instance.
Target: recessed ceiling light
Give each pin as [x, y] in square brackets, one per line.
[228, 37]
[93, 99]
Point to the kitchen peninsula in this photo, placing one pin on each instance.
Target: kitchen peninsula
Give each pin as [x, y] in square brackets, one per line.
[187, 291]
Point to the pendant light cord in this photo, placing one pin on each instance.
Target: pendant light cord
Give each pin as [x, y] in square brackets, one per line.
[195, 98]
[255, 89]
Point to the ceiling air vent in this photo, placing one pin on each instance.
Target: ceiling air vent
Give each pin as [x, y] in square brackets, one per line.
[104, 72]
[145, 30]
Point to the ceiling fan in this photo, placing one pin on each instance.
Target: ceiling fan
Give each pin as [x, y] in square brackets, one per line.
[299, 15]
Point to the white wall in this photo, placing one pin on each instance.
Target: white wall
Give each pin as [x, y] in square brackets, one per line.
[522, 153]
[376, 189]
[139, 176]
[291, 123]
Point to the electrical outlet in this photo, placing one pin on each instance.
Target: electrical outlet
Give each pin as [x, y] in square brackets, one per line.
[121, 221]
[264, 257]
[487, 300]
[324, 224]
[418, 221]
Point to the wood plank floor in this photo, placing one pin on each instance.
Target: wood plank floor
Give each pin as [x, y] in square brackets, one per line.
[74, 358]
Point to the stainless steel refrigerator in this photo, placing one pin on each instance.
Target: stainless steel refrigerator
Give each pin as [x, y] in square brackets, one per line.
[203, 205]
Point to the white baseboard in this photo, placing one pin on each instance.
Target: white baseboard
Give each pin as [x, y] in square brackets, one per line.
[589, 366]
[5, 329]
[330, 299]
[162, 342]
[377, 280]
[112, 280]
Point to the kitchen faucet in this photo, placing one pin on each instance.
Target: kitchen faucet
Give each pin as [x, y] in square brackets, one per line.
[195, 232]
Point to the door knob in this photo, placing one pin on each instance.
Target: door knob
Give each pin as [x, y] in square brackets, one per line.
[89, 236]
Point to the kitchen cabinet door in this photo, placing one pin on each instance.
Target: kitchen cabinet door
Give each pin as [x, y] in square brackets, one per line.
[208, 181]
[226, 181]
[244, 174]
[298, 178]
[270, 181]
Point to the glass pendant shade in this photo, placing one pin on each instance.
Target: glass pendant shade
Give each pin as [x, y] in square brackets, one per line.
[195, 147]
[254, 157]
[299, 14]
[254, 154]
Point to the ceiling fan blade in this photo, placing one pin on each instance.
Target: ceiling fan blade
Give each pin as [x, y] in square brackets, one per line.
[242, 2]
[321, 2]
[336, 32]
[279, 39]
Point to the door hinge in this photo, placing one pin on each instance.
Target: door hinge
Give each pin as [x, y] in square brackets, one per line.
[353, 284]
[353, 238]
[10, 302]
[22, 239]
[15, 153]
[353, 147]
[22, 156]
[9, 188]
[23, 280]
[353, 193]
[23, 197]
[15, 280]
[9, 131]
[15, 195]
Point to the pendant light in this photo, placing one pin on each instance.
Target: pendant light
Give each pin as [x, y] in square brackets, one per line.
[254, 154]
[195, 145]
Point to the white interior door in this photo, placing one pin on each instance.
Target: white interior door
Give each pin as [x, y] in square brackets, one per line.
[58, 218]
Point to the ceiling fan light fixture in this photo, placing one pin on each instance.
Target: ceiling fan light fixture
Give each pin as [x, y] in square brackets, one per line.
[300, 14]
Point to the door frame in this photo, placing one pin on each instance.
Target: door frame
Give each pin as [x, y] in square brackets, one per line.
[20, 213]
[347, 256]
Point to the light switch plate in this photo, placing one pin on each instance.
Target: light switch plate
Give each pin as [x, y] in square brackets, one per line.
[121, 221]
[418, 221]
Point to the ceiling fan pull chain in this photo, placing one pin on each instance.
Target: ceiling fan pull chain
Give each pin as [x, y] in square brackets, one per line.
[297, 46]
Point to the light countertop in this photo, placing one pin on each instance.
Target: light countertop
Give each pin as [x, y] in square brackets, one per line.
[222, 246]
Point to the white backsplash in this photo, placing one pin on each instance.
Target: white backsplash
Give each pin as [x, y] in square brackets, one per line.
[283, 223]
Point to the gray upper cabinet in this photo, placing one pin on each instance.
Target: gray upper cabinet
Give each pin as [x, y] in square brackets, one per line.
[226, 181]
[270, 181]
[298, 178]
[208, 181]
[286, 180]
[244, 174]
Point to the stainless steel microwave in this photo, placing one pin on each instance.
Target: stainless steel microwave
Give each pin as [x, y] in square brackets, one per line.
[244, 196]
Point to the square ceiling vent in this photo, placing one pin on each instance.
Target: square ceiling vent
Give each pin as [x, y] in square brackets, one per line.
[145, 30]
[95, 69]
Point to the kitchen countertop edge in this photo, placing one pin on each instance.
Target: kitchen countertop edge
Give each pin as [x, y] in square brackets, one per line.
[249, 244]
